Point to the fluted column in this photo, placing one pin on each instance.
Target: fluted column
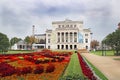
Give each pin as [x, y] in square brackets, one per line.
[60, 37]
[73, 36]
[64, 37]
[77, 37]
[68, 36]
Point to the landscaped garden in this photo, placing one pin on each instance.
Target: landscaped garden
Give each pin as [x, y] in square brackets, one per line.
[45, 65]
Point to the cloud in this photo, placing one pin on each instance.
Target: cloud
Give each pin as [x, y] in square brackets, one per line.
[19, 15]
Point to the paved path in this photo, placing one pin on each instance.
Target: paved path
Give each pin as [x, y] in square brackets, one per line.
[106, 64]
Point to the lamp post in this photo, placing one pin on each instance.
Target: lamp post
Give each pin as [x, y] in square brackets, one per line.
[104, 47]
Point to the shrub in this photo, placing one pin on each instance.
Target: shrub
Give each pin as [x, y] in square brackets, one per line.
[6, 70]
[24, 70]
[39, 69]
[50, 68]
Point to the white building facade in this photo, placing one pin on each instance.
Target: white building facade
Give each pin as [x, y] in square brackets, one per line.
[68, 35]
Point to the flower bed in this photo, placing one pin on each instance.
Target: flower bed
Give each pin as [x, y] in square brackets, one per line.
[34, 66]
[85, 68]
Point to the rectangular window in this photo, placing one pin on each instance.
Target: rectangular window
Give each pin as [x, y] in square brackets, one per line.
[49, 35]
[86, 40]
[48, 47]
[86, 34]
[48, 40]
[74, 26]
[59, 26]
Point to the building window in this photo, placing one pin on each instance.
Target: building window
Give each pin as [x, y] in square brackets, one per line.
[86, 47]
[48, 47]
[62, 25]
[49, 34]
[70, 46]
[86, 34]
[75, 37]
[58, 46]
[71, 26]
[74, 26]
[71, 36]
[75, 46]
[86, 40]
[66, 37]
[59, 26]
[62, 46]
[58, 37]
[66, 46]
[48, 40]
[67, 26]
[62, 37]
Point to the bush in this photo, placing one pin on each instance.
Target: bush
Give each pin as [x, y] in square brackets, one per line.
[6, 70]
[50, 68]
[39, 69]
[24, 70]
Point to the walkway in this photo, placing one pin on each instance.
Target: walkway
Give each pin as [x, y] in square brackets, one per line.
[106, 64]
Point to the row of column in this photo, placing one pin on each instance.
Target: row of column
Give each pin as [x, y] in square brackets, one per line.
[67, 37]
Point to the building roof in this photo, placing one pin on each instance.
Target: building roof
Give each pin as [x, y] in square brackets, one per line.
[39, 34]
[21, 42]
[48, 31]
[87, 30]
[67, 21]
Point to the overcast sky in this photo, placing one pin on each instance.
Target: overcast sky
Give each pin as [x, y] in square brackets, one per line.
[18, 16]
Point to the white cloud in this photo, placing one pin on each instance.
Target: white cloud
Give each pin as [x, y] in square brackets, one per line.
[19, 15]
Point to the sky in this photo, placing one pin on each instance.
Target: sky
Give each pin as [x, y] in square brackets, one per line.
[18, 16]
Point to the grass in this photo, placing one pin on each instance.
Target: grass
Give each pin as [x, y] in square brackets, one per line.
[18, 51]
[97, 72]
[73, 66]
[108, 52]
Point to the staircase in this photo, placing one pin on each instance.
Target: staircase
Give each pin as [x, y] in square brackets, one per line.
[83, 51]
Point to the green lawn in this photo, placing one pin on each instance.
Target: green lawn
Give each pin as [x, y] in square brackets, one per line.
[73, 69]
[108, 53]
[19, 51]
[97, 72]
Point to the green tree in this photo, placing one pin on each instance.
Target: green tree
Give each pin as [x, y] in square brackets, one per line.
[4, 42]
[27, 39]
[113, 40]
[14, 40]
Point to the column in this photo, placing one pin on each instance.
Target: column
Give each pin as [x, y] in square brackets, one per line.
[73, 36]
[77, 36]
[68, 37]
[64, 37]
[60, 37]
[57, 37]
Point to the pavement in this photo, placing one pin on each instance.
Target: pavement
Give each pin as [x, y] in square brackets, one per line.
[106, 64]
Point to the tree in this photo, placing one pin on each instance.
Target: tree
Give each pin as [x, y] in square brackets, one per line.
[14, 40]
[94, 44]
[113, 40]
[30, 40]
[42, 41]
[4, 42]
[27, 39]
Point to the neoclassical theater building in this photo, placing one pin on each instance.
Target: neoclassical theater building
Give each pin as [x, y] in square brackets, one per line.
[65, 35]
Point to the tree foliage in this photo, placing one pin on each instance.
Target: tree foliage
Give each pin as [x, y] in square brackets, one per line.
[42, 41]
[29, 39]
[94, 44]
[14, 40]
[4, 42]
[113, 40]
